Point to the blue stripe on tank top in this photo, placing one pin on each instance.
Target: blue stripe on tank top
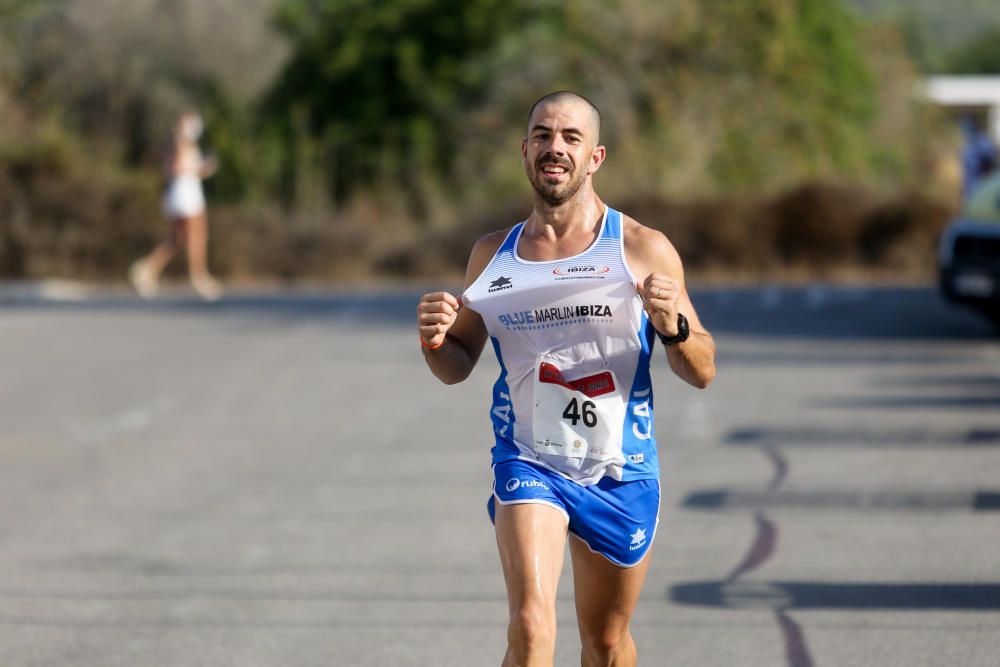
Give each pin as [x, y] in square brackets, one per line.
[639, 438]
[511, 240]
[613, 225]
[502, 412]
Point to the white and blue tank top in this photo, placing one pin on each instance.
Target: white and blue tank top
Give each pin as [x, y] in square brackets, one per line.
[573, 341]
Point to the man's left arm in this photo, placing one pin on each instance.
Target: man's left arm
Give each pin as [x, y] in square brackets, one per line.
[655, 262]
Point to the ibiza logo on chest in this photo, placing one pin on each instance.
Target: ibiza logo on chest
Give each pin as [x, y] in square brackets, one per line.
[557, 315]
[580, 271]
[572, 312]
[569, 270]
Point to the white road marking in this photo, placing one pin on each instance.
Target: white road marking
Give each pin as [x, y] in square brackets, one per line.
[129, 421]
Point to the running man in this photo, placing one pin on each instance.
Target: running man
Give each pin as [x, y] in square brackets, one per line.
[184, 206]
[573, 300]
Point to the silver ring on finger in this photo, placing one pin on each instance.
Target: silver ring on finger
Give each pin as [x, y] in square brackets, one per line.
[659, 292]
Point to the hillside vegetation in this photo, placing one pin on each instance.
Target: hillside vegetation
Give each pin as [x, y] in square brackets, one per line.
[768, 137]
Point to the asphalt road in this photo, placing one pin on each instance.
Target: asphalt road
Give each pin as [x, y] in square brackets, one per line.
[276, 480]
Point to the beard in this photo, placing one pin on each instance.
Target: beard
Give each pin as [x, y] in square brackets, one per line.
[555, 194]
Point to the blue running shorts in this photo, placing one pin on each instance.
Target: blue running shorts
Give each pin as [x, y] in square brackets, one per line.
[615, 519]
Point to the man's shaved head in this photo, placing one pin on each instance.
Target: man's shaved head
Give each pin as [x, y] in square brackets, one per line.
[561, 96]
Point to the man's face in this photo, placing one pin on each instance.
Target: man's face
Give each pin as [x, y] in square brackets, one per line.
[560, 151]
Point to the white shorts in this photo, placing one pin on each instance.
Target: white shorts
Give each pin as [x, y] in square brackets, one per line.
[184, 198]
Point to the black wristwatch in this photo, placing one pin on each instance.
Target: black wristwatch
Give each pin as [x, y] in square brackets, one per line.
[683, 331]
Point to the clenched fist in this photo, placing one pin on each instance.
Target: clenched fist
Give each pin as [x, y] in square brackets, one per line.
[436, 313]
[660, 296]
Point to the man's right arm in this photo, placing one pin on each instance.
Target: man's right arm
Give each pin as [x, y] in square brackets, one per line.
[452, 336]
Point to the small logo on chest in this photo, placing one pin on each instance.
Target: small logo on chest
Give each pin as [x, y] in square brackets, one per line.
[500, 283]
[580, 270]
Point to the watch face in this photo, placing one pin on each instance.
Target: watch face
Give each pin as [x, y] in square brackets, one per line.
[683, 331]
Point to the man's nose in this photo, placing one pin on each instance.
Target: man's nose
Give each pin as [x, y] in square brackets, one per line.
[557, 146]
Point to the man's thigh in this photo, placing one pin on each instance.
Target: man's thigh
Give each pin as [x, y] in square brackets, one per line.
[606, 593]
[531, 538]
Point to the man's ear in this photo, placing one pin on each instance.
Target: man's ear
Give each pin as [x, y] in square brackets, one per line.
[597, 158]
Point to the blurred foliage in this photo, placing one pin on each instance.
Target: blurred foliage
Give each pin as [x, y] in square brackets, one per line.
[980, 55]
[378, 87]
[934, 29]
[389, 119]
[411, 97]
[64, 213]
[118, 72]
[430, 97]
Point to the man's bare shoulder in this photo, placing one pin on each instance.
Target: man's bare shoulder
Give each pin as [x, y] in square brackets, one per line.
[482, 252]
[647, 245]
[491, 242]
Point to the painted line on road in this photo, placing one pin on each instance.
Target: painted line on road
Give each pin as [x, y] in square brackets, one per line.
[128, 421]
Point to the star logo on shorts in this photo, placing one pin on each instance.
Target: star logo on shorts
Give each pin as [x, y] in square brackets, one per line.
[639, 536]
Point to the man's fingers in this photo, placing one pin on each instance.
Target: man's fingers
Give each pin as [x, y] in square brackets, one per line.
[430, 331]
[658, 278]
[436, 307]
[436, 313]
[656, 281]
[664, 294]
[433, 297]
[437, 318]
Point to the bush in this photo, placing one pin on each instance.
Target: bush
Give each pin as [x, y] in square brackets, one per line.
[67, 217]
[815, 231]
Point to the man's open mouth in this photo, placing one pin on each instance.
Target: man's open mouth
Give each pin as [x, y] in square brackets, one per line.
[550, 169]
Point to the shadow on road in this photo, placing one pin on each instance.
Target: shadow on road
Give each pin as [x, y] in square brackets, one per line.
[810, 436]
[982, 500]
[792, 595]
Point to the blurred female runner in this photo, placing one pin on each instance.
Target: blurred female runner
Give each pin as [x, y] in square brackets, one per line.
[184, 206]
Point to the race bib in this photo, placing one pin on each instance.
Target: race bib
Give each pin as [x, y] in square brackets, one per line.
[577, 419]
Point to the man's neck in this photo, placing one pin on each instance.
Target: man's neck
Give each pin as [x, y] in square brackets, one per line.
[579, 213]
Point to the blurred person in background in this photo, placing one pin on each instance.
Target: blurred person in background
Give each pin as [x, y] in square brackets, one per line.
[184, 206]
[979, 156]
[573, 300]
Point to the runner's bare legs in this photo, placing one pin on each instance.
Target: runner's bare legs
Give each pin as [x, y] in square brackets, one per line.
[197, 254]
[606, 595]
[145, 273]
[531, 539]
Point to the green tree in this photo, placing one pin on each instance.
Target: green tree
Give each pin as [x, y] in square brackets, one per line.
[979, 55]
[376, 86]
[702, 96]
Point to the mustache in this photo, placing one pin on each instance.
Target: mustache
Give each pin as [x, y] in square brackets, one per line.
[552, 158]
